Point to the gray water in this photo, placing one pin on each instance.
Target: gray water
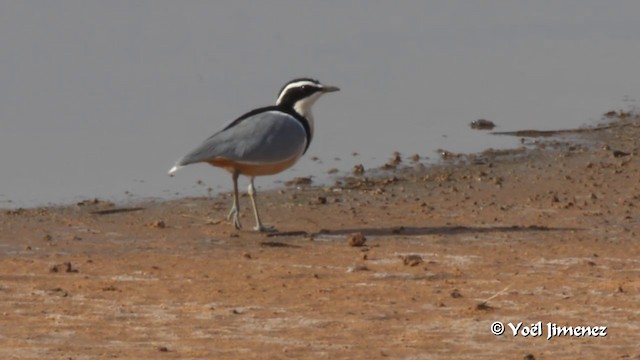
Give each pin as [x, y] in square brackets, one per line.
[99, 98]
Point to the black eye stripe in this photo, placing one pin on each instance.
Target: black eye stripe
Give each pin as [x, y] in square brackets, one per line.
[292, 95]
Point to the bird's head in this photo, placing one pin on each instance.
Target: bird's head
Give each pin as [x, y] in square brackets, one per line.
[301, 94]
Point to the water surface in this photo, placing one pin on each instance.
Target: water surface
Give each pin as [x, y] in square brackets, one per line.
[99, 98]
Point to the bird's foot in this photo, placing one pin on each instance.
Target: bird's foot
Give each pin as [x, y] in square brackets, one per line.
[266, 229]
[234, 217]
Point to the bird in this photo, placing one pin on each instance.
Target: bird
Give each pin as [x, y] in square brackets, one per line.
[263, 141]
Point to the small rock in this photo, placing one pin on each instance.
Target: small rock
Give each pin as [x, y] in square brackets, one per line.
[396, 158]
[398, 230]
[57, 292]
[483, 306]
[332, 171]
[358, 169]
[618, 153]
[59, 267]
[93, 201]
[357, 268]
[447, 155]
[390, 180]
[357, 239]
[160, 224]
[304, 180]
[456, 294]
[411, 259]
[482, 124]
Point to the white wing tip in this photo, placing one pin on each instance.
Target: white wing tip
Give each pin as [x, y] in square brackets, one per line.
[174, 169]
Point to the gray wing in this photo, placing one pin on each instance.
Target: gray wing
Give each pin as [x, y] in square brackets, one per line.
[266, 137]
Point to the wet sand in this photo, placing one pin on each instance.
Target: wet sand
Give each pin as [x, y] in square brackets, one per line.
[548, 233]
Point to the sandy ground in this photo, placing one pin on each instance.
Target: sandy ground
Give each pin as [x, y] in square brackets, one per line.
[548, 234]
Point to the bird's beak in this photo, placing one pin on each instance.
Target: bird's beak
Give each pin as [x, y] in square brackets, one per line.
[328, 88]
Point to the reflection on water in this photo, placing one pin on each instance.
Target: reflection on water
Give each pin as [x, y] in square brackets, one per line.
[100, 98]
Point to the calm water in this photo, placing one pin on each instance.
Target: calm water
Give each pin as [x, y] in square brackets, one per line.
[99, 98]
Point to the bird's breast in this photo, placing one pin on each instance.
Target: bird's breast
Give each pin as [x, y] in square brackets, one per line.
[253, 169]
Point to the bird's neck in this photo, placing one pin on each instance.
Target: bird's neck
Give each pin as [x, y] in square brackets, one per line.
[304, 109]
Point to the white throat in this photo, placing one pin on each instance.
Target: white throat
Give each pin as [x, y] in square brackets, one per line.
[303, 107]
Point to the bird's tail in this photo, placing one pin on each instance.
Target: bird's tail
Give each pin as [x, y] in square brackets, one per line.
[174, 169]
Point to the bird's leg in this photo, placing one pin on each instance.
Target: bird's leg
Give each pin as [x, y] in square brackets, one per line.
[234, 214]
[252, 194]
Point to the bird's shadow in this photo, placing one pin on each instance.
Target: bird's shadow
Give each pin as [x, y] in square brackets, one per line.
[426, 230]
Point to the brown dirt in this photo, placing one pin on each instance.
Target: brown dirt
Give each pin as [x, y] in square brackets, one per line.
[549, 234]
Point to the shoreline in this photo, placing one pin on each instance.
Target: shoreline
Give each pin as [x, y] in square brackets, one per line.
[397, 162]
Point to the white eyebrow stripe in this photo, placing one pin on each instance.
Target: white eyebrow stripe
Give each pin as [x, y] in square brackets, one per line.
[295, 85]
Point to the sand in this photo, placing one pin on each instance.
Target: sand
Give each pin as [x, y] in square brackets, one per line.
[547, 233]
